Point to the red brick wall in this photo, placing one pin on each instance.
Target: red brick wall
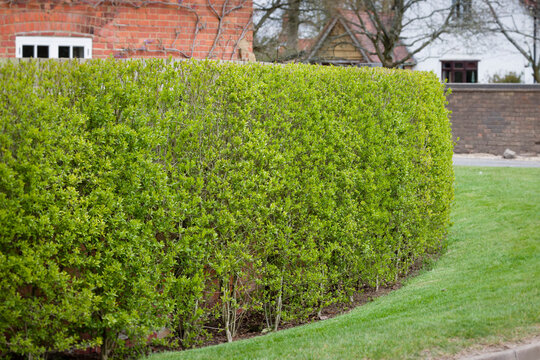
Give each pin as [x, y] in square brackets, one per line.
[132, 28]
[492, 118]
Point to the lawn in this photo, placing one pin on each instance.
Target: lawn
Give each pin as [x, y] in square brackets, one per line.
[484, 289]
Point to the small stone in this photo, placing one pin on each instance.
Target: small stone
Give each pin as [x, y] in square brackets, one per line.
[509, 154]
[321, 316]
[163, 333]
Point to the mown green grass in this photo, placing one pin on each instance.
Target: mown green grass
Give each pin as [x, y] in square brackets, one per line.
[484, 289]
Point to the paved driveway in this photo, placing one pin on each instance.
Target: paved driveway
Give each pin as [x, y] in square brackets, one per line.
[496, 162]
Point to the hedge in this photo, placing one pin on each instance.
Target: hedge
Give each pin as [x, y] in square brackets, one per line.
[141, 194]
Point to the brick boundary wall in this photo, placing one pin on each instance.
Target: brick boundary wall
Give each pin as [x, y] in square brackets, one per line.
[489, 118]
[131, 28]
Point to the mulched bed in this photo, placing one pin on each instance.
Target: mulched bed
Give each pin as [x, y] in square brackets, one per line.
[250, 327]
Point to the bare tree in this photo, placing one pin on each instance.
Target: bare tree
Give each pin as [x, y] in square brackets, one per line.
[293, 24]
[266, 11]
[524, 38]
[394, 30]
[279, 23]
[408, 24]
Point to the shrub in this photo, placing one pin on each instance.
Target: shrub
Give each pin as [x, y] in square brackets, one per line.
[138, 194]
[82, 204]
[509, 77]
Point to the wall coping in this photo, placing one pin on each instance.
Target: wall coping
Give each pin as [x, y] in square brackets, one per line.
[494, 87]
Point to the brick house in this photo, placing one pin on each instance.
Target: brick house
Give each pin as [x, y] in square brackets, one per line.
[341, 42]
[215, 29]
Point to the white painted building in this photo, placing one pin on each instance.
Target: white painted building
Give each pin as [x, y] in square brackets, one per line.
[463, 56]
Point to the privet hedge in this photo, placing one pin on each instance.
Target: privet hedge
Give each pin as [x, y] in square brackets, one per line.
[137, 195]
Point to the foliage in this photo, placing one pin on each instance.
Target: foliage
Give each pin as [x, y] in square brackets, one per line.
[139, 194]
[483, 291]
[82, 204]
[510, 77]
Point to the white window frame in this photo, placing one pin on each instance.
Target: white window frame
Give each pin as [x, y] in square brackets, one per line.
[53, 42]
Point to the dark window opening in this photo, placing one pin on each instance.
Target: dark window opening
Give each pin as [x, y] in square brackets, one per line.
[75, 52]
[78, 52]
[63, 51]
[28, 51]
[471, 76]
[42, 51]
[460, 71]
[446, 76]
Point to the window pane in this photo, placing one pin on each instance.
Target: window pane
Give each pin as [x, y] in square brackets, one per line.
[78, 52]
[458, 77]
[447, 65]
[472, 76]
[28, 51]
[458, 65]
[42, 51]
[63, 51]
[446, 76]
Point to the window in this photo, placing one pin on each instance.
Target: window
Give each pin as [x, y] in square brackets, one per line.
[32, 51]
[53, 47]
[462, 9]
[460, 71]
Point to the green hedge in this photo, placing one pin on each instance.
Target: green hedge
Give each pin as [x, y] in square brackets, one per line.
[136, 195]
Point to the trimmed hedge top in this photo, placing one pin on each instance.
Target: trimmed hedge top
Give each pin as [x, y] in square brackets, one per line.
[142, 194]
